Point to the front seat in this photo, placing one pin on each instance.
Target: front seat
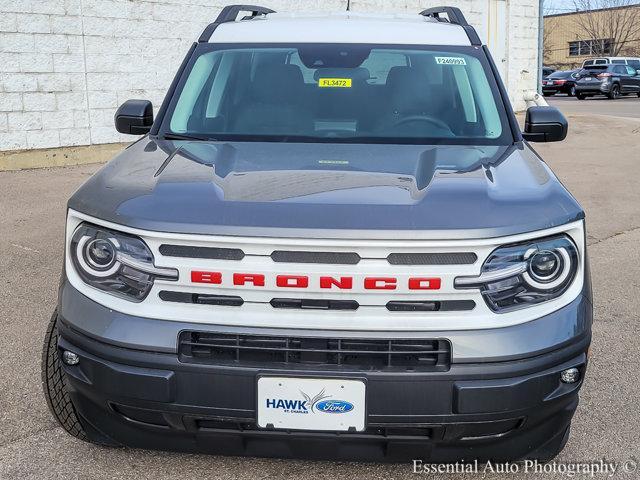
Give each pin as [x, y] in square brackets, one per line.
[411, 95]
[276, 103]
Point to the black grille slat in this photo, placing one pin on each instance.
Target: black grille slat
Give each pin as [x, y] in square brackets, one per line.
[454, 258]
[201, 298]
[430, 305]
[209, 253]
[410, 306]
[313, 304]
[330, 258]
[344, 353]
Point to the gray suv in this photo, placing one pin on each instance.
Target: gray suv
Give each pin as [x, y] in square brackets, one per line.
[328, 246]
[610, 80]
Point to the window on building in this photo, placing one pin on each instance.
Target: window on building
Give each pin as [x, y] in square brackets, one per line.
[584, 48]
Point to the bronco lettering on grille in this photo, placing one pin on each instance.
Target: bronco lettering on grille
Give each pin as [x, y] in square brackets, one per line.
[325, 282]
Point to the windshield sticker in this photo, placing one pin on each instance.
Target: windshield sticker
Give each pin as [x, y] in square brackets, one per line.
[334, 82]
[333, 162]
[450, 61]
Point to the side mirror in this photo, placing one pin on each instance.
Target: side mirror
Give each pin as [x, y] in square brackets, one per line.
[545, 124]
[134, 117]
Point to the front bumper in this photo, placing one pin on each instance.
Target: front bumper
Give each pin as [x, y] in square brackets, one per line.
[492, 408]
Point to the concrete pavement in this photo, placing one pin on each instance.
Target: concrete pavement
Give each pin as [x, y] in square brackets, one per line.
[626, 107]
[601, 168]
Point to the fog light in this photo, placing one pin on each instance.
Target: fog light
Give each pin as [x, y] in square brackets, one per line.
[570, 375]
[70, 358]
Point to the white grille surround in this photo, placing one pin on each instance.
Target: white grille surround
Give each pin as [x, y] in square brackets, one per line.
[371, 315]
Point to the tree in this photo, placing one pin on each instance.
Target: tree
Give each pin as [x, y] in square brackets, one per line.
[616, 23]
[548, 32]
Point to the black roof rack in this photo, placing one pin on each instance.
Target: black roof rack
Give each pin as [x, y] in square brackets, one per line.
[230, 14]
[454, 16]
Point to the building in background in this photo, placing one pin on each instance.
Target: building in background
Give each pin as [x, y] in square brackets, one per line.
[66, 65]
[570, 38]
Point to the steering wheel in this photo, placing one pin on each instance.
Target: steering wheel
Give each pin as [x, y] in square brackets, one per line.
[422, 118]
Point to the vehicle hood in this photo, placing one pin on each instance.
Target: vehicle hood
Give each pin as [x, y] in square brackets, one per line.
[327, 190]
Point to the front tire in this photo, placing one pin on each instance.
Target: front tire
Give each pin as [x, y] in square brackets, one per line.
[54, 384]
[580, 96]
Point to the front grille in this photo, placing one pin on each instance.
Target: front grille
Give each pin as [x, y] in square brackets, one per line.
[325, 258]
[381, 432]
[330, 258]
[342, 353]
[454, 258]
[179, 422]
[210, 253]
[319, 304]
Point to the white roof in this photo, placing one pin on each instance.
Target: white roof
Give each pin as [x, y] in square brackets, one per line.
[341, 27]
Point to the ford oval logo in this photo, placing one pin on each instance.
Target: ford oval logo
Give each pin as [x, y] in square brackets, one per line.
[334, 406]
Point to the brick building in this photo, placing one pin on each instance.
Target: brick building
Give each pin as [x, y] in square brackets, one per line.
[570, 38]
[65, 65]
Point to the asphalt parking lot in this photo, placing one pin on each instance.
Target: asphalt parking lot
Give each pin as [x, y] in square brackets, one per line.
[627, 107]
[599, 163]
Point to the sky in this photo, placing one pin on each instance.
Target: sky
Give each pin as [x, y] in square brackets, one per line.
[563, 6]
[558, 6]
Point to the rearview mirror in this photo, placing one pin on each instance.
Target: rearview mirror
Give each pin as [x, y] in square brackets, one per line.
[134, 117]
[545, 124]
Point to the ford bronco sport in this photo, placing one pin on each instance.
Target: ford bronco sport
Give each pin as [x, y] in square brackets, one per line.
[332, 241]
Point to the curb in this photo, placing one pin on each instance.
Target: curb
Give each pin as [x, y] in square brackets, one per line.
[58, 157]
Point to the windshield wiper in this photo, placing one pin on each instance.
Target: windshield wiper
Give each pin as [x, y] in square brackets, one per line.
[179, 136]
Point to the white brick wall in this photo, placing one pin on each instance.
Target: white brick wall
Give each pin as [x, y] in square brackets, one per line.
[65, 65]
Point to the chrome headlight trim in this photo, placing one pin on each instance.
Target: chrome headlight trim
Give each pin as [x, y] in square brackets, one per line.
[129, 274]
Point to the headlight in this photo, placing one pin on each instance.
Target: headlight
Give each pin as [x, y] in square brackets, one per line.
[515, 276]
[115, 262]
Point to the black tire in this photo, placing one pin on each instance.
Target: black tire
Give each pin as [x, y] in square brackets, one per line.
[548, 94]
[580, 96]
[614, 92]
[54, 384]
[638, 94]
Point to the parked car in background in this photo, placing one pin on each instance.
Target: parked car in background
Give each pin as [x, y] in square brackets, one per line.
[561, 81]
[633, 61]
[610, 80]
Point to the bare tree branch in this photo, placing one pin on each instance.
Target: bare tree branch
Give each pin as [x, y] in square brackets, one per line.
[547, 38]
[614, 23]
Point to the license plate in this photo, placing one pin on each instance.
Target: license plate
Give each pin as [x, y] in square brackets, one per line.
[311, 404]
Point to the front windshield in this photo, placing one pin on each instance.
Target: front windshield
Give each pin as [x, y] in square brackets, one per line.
[339, 93]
